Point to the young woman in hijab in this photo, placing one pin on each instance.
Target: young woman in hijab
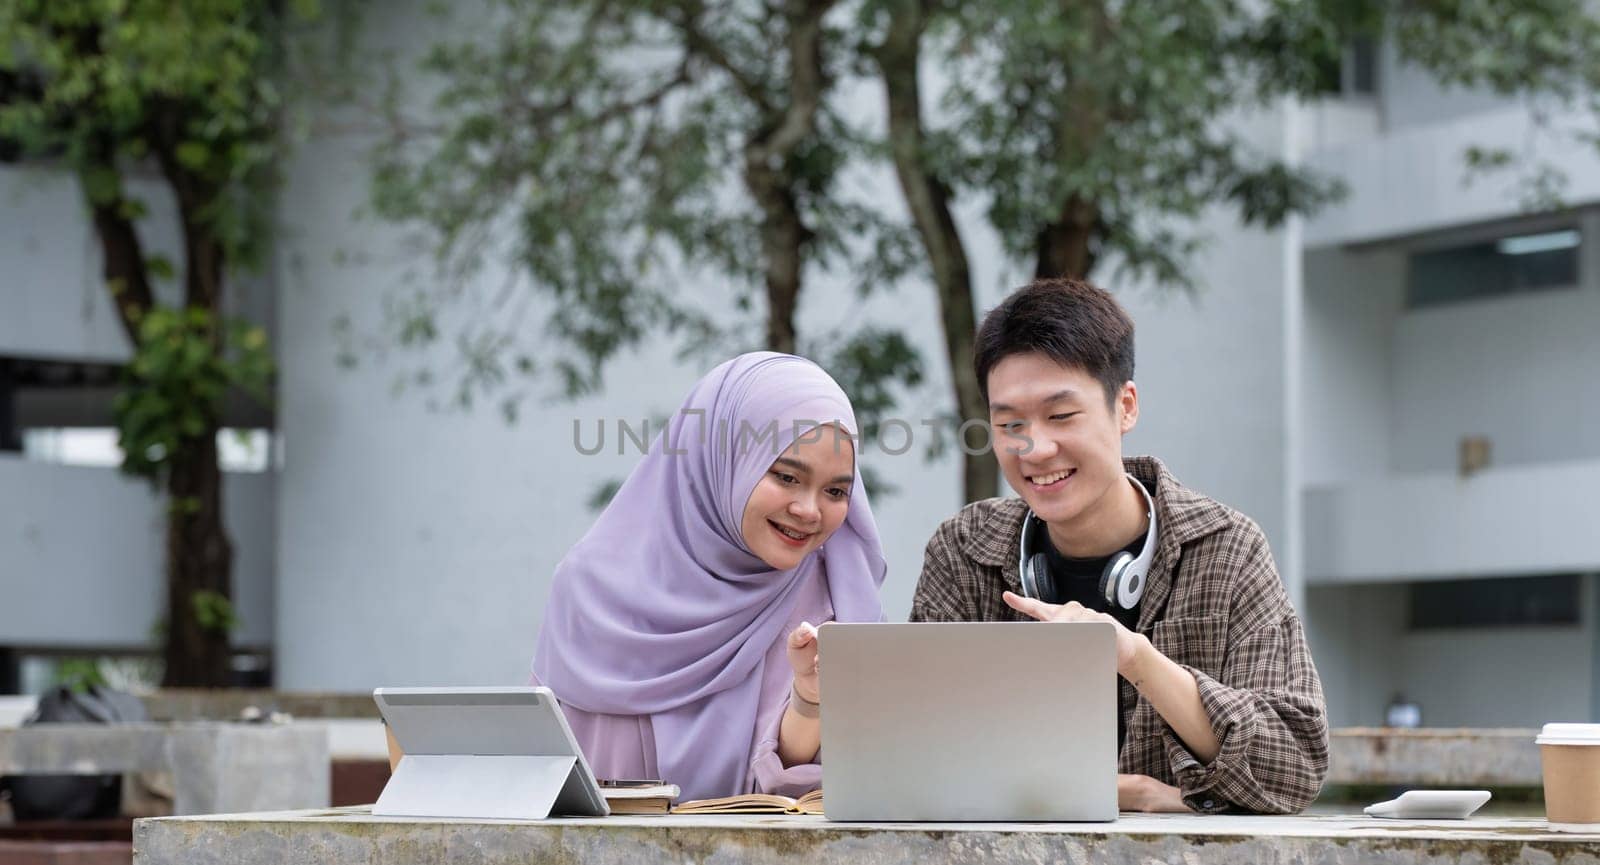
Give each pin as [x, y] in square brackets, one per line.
[677, 635]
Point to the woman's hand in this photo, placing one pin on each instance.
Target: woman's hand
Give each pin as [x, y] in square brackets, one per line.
[803, 660]
[1144, 793]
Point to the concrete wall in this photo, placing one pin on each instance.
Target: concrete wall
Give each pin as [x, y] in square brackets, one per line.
[1510, 520]
[1352, 299]
[1354, 633]
[1393, 390]
[417, 547]
[1413, 179]
[54, 301]
[1214, 368]
[1526, 383]
[1487, 677]
[1409, 96]
[82, 556]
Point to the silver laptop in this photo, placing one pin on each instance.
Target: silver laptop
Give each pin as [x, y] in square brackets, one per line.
[502, 753]
[1001, 721]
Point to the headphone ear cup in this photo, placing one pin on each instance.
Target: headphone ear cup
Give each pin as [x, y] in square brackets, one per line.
[1111, 578]
[1036, 581]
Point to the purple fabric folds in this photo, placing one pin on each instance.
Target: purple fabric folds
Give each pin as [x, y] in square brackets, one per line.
[662, 610]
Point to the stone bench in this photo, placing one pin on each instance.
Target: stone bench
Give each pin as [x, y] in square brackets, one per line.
[215, 767]
[1440, 757]
[354, 836]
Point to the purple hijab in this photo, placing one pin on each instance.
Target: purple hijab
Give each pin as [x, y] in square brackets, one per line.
[662, 610]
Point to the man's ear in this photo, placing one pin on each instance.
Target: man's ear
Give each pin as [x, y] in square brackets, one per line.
[1128, 407]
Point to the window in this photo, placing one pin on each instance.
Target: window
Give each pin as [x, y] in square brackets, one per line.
[1508, 265]
[60, 410]
[1359, 75]
[1501, 601]
[1353, 73]
[238, 450]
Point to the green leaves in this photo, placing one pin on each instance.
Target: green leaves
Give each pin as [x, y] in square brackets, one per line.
[213, 611]
[112, 82]
[606, 146]
[1098, 123]
[79, 674]
[181, 371]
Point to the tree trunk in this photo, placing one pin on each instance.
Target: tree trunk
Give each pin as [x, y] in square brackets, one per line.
[928, 200]
[199, 560]
[783, 238]
[122, 257]
[1065, 245]
[199, 553]
[768, 168]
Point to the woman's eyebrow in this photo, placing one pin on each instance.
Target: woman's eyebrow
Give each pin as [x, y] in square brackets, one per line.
[793, 463]
[799, 466]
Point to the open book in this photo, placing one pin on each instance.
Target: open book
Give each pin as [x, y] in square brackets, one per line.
[754, 803]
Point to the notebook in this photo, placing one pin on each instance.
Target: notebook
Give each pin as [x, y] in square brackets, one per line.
[639, 797]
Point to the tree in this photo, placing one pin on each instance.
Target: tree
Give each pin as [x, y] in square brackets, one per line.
[619, 151]
[702, 139]
[1090, 128]
[1096, 132]
[102, 89]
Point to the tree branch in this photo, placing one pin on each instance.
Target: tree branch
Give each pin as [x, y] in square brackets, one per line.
[805, 81]
[699, 43]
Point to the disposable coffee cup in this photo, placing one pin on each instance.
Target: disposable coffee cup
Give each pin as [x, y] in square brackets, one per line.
[1570, 755]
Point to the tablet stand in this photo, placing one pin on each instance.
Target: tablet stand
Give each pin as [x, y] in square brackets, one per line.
[510, 787]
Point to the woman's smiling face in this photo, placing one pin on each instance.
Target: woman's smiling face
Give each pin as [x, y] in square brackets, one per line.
[802, 499]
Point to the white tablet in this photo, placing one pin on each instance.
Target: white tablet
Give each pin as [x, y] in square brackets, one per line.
[492, 753]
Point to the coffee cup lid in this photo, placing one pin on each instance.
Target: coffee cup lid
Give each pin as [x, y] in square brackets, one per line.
[1569, 734]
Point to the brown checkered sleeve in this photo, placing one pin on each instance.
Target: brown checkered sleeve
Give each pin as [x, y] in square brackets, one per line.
[939, 595]
[1266, 708]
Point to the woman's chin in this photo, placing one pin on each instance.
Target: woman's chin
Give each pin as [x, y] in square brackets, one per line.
[781, 560]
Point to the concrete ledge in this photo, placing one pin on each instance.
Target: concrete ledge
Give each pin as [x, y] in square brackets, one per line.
[1468, 757]
[352, 836]
[225, 704]
[216, 768]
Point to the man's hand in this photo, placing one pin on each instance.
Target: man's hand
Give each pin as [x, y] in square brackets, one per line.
[1171, 689]
[1129, 644]
[803, 659]
[1144, 793]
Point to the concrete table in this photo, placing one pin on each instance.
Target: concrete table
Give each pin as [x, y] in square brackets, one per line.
[353, 836]
[215, 767]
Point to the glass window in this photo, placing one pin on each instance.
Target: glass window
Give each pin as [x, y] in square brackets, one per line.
[238, 450]
[1535, 600]
[1509, 265]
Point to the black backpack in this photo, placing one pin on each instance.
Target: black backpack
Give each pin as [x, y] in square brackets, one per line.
[74, 797]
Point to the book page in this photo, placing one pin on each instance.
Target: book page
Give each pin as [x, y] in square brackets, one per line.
[753, 803]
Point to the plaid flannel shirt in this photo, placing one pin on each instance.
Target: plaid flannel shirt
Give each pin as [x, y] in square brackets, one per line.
[1213, 603]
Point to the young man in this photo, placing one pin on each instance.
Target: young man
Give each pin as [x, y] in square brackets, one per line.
[1221, 708]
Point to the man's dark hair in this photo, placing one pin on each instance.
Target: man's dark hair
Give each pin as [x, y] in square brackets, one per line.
[1070, 321]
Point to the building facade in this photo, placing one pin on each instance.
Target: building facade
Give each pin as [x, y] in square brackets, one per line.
[1404, 390]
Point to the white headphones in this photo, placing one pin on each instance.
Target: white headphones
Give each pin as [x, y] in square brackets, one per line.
[1122, 582]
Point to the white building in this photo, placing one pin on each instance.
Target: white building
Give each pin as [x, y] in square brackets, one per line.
[1323, 383]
